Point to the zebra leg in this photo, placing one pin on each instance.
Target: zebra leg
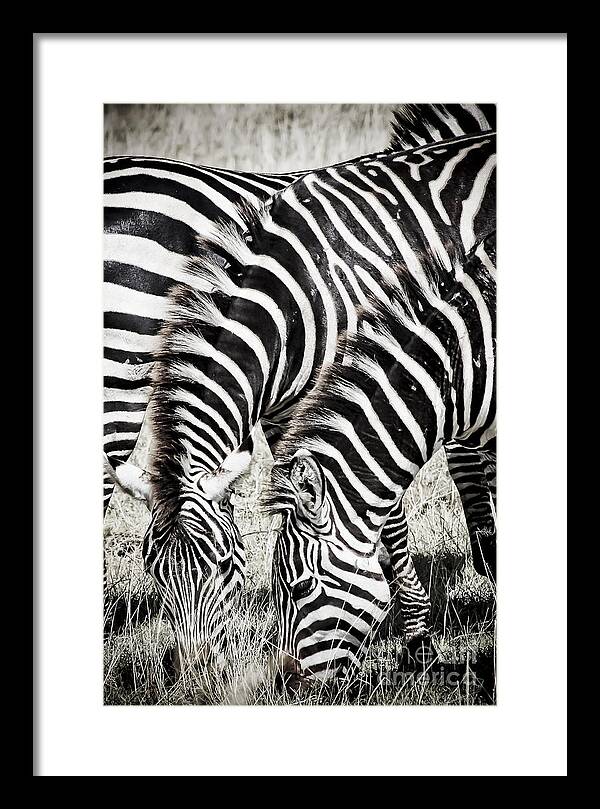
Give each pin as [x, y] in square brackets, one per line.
[413, 601]
[488, 458]
[473, 472]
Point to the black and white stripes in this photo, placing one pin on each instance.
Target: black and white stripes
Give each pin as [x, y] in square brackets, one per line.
[154, 211]
[268, 303]
[403, 391]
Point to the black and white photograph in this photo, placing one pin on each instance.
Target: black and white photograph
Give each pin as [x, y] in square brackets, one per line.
[299, 417]
[281, 525]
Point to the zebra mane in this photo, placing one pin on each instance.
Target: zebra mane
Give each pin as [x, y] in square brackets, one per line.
[420, 124]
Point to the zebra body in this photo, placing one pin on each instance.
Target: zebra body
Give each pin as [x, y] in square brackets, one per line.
[244, 341]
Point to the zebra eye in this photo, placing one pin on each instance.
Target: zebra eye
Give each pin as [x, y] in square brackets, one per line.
[302, 588]
[248, 237]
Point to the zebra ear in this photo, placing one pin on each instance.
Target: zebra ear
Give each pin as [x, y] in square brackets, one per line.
[215, 485]
[308, 482]
[131, 479]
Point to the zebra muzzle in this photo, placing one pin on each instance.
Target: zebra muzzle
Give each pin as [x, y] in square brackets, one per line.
[289, 678]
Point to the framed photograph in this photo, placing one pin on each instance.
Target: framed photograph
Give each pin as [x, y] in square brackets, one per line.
[278, 307]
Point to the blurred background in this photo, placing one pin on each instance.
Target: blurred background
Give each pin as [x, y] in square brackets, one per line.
[250, 137]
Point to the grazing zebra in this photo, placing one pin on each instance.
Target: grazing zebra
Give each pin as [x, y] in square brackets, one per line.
[246, 351]
[419, 372]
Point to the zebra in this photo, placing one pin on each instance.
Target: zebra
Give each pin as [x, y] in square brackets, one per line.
[264, 334]
[420, 371]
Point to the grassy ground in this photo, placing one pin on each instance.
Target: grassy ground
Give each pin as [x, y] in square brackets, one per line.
[137, 640]
[276, 138]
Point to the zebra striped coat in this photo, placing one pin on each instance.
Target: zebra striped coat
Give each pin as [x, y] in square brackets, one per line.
[211, 431]
[154, 210]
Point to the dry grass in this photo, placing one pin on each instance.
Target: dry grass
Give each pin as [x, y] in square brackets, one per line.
[276, 138]
[137, 640]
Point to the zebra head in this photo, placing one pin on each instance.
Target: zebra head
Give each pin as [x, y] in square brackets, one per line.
[194, 552]
[330, 593]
